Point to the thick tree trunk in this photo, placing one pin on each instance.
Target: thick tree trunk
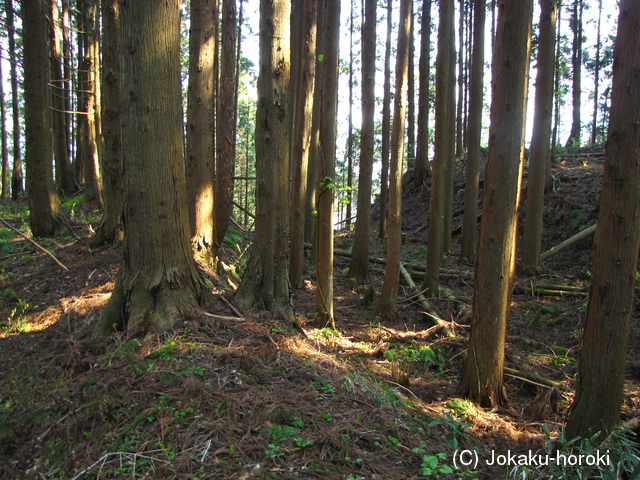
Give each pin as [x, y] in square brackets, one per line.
[301, 132]
[328, 43]
[387, 302]
[158, 281]
[265, 283]
[359, 265]
[474, 135]
[111, 228]
[200, 153]
[483, 377]
[596, 77]
[600, 390]
[540, 141]
[443, 140]
[424, 100]
[44, 204]
[226, 123]
[350, 140]
[411, 99]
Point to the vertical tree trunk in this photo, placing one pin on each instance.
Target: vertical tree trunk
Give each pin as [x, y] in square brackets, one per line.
[200, 153]
[111, 228]
[556, 88]
[350, 146]
[596, 77]
[301, 132]
[386, 127]
[424, 100]
[67, 57]
[483, 377]
[540, 141]
[65, 179]
[6, 168]
[387, 302]
[459, 147]
[411, 99]
[576, 66]
[265, 283]
[474, 135]
[226, 122]
[158, 281]
[44, 203]
[88, 132]
[443, 139]
[17, 183]
[328, 44]
[451, 153]
[599, 395]
[359, 265]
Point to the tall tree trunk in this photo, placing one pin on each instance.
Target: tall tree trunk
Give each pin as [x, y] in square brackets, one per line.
[451, 153]
[226, 122]
[65, 179]
[111, 228]
[17, 182]
[386, 127]
[350, 146]
[600, 390]
[359, 265]
[387, 302]
[265, 283]
[424, 100]
[301, 132]
[44, 204]
[556, 88]
[459, 147]
[88, 129]
[328, 44]
[411, 99]
[596, 77]
[483, 377]
[67, 57]
[474, 136]
[200, 153]
[6, 168]
[443, 139]
[540, 141]
[576, 66]
[158, 281]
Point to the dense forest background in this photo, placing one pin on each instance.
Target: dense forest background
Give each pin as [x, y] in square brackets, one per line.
[197, 200]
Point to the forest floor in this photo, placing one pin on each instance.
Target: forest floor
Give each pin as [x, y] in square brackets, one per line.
[224, 397]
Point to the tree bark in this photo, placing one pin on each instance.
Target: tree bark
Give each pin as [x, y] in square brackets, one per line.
[600, 389]
[158, 281]
[226, 123]
[265, 283]
[111, 227]
[483, 377]
[17, 182]
[387, 302]
[539, 161]
[474, 136]
[328, 45]
[6, 168]
[301, 132]
[424, 99]
[386, 128]
[44, 204]
[576, 66]
[65, 179]
[596, 77]
[200, 152]
[443, 140]
[359, 265]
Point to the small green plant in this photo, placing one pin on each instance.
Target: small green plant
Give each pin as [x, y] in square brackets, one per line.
[273, 451]
[455, 429]
[322, 384]
[460, 408]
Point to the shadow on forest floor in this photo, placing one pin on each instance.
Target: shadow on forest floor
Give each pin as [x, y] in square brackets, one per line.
[223, 397]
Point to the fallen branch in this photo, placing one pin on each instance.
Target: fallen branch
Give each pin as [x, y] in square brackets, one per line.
[536, 379]
[36, 244]
[424, 302]
[568, 242]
